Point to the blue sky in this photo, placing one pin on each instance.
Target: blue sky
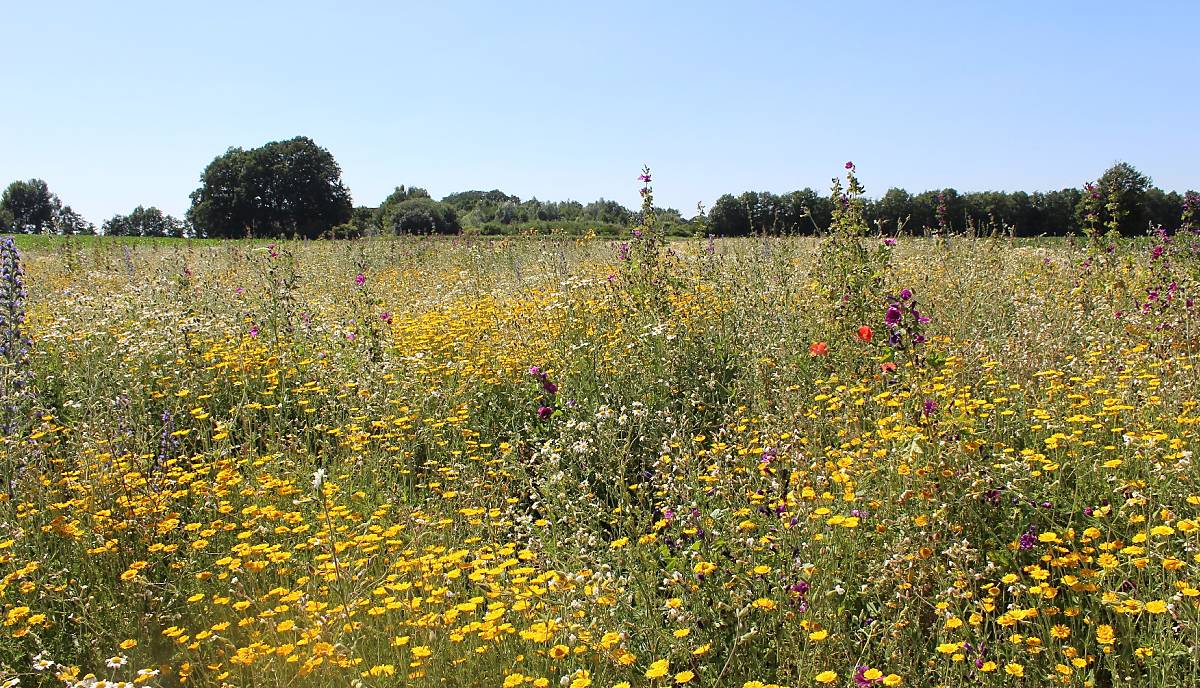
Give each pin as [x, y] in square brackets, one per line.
[120, 104]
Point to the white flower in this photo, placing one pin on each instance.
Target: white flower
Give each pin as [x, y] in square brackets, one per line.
[116, 662]
[318, 478]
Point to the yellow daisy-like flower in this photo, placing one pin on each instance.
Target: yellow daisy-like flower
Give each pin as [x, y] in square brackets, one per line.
[1014, 669]
[657, 669]
[826, 677]
[683, 677]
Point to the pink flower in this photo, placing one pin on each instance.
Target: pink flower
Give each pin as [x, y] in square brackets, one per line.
[544, 412]
[360, 279]
[849, 165]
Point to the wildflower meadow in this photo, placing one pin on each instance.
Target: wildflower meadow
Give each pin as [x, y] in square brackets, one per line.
[850, 460]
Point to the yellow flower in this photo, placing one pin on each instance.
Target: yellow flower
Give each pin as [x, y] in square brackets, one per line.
[559, 651]
[988, 667]
[684, 676]
[421, 652]
[1105, 635]
[818, 635]
[947, 648]
[657, 669]
[1014, 669]
[892, 680]
[826, 677]
[1060, 632]
[1156, 607]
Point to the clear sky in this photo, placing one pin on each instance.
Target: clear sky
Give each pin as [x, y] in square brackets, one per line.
[123, 103]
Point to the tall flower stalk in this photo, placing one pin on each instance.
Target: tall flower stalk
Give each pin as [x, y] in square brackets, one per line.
[16, 375]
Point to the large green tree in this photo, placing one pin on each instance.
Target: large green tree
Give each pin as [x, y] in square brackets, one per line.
[30, 205]
[412, 211]
[284, 188]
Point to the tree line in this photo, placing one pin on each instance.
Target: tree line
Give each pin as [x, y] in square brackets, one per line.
[293, 188]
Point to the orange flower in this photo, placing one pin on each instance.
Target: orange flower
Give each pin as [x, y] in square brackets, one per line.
[818, 349]
[888, 367]
[866, 334]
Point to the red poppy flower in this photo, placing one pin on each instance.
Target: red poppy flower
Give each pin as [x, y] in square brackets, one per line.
[818, 349]
[866, 334]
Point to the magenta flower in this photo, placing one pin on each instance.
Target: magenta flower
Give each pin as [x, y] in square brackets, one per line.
[644, 178]
[254, 330]
[360, 279]
[544, 412]
[849, 165]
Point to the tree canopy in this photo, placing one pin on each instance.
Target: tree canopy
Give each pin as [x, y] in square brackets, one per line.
[30, 208]
[284, 188]
[145, 222]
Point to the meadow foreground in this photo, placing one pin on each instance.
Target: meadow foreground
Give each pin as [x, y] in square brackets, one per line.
[581, 463]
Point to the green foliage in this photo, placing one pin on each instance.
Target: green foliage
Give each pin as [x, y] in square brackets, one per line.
[145, 222]
[412, 211]
[30, 205]
[284, 188]
[850, 273]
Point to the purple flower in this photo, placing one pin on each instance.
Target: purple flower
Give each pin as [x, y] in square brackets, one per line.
[644, 178]
[360, 279]
[889, 242]
[905, 294]
[930, 407]
[1028, 539]
[544, 412]
[535, 371]
[254, 330]
[549, 386]
[849, 165]
[893, 315]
